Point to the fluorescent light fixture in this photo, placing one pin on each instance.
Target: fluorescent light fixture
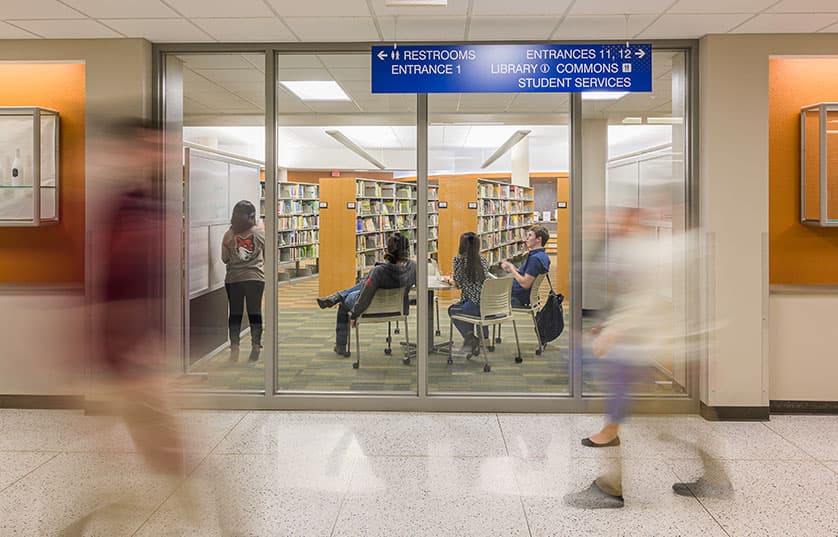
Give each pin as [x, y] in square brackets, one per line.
[603, 95]
[355, 148]
[316, 90]
[516, 137]
[416, 3]
[632, 120]
[664, 120]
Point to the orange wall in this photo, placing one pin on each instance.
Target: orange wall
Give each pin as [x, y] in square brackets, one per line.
[55, 253]
[798, 254]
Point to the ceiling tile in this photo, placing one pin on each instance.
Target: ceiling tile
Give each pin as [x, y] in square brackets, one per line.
[521, 28]
[805, 6]
[159, 30]
[36, 9]
[618, 7]
[351, 75]
[351, 61]
[296, 61]
[233, 30]
[233, 75]
[720, 6]
[304, 74]
[333, 28]
[67, 29]
[769, 23]
[257, 60]
[335, 8]
[423, 28]
[215, 61]
[333, 107]
[193, 107]
[454, 8]
[221, 8]
[540, 103]
[692, 26]
[108, 9]
[7, 31]
[602, 26]
[530, 7]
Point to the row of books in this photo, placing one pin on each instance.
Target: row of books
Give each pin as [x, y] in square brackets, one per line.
[367, 224]
[506, 192]
[370, 241]
[497, 255]
[502, 238]
[491, 207]
[368, 207]
[298, 253]
[298, 222]
[289, 190]
[296, 238]
[297, 206]
[373, 189]
[495, 223]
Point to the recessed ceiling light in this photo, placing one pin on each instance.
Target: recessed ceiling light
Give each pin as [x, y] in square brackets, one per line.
[632, 120]
[402, 3]
[603, 95]
[316, 90]
[664, 120]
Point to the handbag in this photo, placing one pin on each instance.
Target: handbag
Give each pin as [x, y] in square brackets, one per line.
[550, 318]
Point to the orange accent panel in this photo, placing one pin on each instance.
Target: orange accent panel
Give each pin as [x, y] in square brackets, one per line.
[561, 276]
[798, 254]
[457, 219]
[54, 253]
[337, 235]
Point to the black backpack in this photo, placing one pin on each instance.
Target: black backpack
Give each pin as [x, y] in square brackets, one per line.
[550, 318]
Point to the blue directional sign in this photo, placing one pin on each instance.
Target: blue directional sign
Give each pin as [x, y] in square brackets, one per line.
[511, 68]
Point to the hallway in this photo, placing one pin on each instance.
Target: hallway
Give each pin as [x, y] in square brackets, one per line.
[399, 474]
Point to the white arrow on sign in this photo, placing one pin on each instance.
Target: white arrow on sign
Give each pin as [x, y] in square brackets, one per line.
[640, 53]
[381, 55]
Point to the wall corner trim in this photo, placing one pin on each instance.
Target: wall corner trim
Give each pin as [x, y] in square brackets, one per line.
[734, 413]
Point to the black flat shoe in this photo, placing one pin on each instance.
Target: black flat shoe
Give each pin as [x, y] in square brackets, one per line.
[587, 442]
[329, 301]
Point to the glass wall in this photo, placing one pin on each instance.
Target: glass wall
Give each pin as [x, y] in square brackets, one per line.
[346, 190]
[223, 107]
[634, 230]
[499, 179]
[501, 163]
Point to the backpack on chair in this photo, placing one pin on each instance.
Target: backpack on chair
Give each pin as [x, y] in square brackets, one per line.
[550, 318]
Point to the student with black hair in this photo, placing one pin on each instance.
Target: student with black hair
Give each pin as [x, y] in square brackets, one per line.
[398, 271]
[242, 250]
[470, 271]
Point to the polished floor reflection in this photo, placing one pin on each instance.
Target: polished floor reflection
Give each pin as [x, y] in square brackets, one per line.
[348, 474]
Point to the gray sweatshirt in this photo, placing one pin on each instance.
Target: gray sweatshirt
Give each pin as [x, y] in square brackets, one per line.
[243, 253]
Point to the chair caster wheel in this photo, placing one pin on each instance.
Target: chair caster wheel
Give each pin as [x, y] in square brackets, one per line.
[490, 348]
[538, 351]
[388, 352]
[406, 361]
[438, 333]
[450, 361]
[468, 356]
[388, 340]
[498, 340]
[487, 368]
[518, 359]
[347, 354]
[397, 331]
[355, 365]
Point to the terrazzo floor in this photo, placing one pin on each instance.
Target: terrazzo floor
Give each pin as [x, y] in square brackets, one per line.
[412, 474]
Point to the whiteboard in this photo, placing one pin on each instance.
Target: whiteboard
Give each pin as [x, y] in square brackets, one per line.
[217, 268]
[244, 185]
[198, 252]
[209, 185]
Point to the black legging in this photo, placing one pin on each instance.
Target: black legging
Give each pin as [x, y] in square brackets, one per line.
[236, 294]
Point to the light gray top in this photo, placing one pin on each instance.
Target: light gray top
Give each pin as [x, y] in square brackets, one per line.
[243, 253]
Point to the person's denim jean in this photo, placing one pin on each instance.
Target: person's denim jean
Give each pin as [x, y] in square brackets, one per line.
[350, 297]
[466, 307]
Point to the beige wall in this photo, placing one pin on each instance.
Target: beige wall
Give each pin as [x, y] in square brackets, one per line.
[803, 340]
[37, 322]
[734, 202]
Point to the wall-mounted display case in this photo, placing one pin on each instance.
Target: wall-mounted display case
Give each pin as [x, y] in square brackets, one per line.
[819, 165]
[28, 166]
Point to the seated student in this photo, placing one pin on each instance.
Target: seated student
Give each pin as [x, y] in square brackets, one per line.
[398, 271]
[537, 263]
[470, 270]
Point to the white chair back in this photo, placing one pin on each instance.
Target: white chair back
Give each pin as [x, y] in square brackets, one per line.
[386, 302]
[535, 290]
[495, 298]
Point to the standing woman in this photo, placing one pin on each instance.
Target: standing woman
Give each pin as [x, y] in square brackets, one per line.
[242, 250]
[470, 270]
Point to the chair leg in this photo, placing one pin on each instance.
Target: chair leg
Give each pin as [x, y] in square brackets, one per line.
[357, 363]
[406, 359]
[397, 330]
[491, 346]
[499, 339]
[450, 341]
[388, 351]
[537, 334]
[436, 304]
[481, 344]
[518, 358]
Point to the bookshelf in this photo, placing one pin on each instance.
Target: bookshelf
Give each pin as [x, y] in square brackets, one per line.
[500, 214]
[358, 217]
[298, 224]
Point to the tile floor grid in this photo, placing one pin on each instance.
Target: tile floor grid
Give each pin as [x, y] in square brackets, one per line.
[189, 475]
[824, 463]
[25, 475]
